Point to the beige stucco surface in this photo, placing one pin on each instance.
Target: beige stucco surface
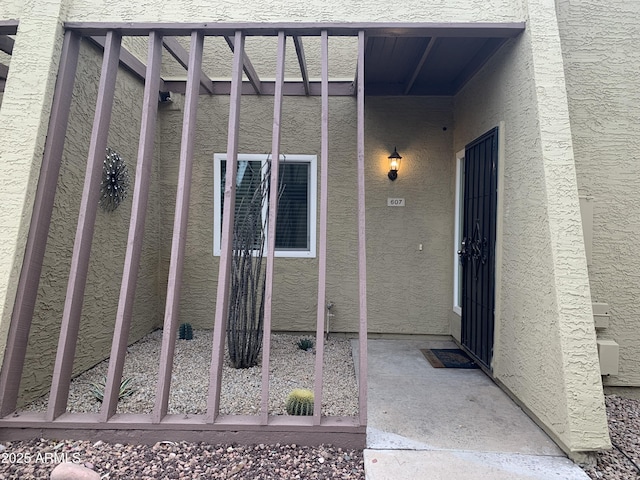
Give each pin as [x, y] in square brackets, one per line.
[287, 11]
[408, 288]
[545, 350]
[601, 59]
[109, 242]
[24, 115]
[545, 342]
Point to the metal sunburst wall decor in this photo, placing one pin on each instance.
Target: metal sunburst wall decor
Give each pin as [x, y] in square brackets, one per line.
[115, 181]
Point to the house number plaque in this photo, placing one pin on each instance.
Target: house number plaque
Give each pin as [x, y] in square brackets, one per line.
[395, 202]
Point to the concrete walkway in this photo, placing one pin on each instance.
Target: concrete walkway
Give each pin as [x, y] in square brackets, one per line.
[453, 424]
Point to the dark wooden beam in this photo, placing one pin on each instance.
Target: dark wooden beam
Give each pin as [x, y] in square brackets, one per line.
[29, 279]
[84, 232]
[2, 85]
[383, 29]
[322, 230]
[180, 221]
[4, 71]
[271, 228]
[128, 61]
[362, 241]
[178, 52]
[226, 250]
[302, 61]
[420, 64]
[336, 88]
[136, 228]
[8, 27]
[6, 44]
[247, 66]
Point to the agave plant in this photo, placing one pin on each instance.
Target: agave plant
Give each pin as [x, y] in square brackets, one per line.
[126, 389]
[305, 344]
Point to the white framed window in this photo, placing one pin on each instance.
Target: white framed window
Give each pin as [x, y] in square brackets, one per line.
[297, 205]
[457, 266]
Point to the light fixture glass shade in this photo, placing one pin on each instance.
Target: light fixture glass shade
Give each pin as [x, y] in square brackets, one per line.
[394, 164]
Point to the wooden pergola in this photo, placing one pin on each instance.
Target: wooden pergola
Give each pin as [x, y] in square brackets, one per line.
[212, 426]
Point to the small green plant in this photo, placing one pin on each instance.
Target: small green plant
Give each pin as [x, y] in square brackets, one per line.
[126, 389]
[186, 332]
[305, 344]
[300, 402]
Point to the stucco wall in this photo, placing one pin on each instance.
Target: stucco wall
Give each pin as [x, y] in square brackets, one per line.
[109, 243]
[408, 289]
[10, 9]
[545, 342]
[24, 115]
[601, 60]
[287, 11]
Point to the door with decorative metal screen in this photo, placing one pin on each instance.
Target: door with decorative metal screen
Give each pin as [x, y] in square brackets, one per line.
[477, 250]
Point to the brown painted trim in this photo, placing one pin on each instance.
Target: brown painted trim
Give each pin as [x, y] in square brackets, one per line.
[346, 440]
[249, 71]
[362, 241]
[84, 232]
[127, 60]
[6, 44]
[417, 29]
[228, 216]
[29, 280]
[136, 227]
[4, 71]
[180, 221]
[8, 27]
[2, 85]
[322, 227]
[302, 61]
[182, 57]
[420, 64]
[336, 88]
[271, 227]
[181, 421]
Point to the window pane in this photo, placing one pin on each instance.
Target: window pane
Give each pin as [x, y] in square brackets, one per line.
[292, 228]
[248, 211]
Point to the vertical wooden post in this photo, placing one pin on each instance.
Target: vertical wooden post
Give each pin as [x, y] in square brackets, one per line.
[84, 233]
[222, 298]
[271, 228]
[324, 202]
[179, 227]
[29, 280]
[136, 227]
[362, 240]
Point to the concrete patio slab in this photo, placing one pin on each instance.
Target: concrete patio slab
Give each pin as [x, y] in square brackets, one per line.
[458, 465]
[449, 423]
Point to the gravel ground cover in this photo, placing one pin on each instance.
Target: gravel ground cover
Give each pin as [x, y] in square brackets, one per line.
[168, 460]
[623, 461]
[289, 367]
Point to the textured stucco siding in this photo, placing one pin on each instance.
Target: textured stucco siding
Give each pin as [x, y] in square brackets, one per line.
[24, 117]
[545, 351]
[10, 9]
[408, 289]
[109, 242]
[600, 44]
[287, 11]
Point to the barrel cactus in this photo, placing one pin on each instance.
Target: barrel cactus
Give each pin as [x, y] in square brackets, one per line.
[300, 402]
[186, 332]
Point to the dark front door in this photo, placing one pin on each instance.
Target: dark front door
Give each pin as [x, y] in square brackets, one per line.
[477, 252]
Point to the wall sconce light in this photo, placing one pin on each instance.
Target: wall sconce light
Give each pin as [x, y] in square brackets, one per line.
[394, 164]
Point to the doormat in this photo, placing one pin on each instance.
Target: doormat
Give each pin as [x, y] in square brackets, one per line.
[448, 358]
